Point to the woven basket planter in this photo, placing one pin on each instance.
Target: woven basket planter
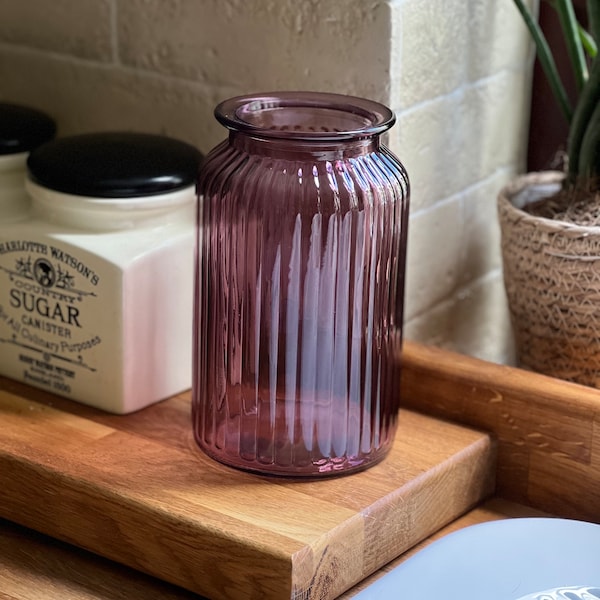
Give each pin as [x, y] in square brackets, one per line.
[552, 281]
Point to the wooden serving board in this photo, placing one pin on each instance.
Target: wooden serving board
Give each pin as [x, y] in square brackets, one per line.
[37, 567]
[136, 490]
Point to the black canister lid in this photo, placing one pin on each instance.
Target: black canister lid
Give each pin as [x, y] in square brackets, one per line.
[22, 128]
[114, 165]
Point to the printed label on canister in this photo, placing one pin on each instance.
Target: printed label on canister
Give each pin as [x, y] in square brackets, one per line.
[48, 296]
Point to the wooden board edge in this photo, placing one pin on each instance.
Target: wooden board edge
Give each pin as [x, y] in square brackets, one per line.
[548, 430]
[63, 512]
[468, 475]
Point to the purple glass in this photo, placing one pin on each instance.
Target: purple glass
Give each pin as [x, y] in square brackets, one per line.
[300, 286]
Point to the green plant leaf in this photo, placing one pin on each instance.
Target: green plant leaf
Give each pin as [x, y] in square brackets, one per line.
[589, 155]
[583, 126]
[588, 42]
[546, 60]
[570, 27]
[593, 10]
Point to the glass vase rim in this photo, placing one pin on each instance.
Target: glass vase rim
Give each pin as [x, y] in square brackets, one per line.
[378, 117]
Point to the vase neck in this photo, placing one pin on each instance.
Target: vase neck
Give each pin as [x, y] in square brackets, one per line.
[301, 149]
[305, 124]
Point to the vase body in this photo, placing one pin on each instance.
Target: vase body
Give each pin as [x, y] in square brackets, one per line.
[299, 289]
[551, 274]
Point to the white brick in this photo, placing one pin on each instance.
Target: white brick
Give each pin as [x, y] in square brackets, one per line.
[92, 98]
[454, 141]
[475, 322]
[260, 45]
[445, 44]
[433, 257]
[453, 244]
[497, 39]
[434, 47]
[503, 123]
[82, 29]
[480, 229]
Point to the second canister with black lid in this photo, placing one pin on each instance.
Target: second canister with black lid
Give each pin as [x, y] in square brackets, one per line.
[22, 129]
[96, 289]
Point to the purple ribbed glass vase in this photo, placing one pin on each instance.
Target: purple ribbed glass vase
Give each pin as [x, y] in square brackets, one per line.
[299, 290]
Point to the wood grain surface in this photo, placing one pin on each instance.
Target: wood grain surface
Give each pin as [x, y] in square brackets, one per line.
[36, 567]
[136, 490]
[493, 509]
[548, 430]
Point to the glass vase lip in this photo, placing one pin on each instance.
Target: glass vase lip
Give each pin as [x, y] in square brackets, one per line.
[264, 116]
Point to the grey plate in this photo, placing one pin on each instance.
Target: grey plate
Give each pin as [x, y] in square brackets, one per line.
[512, 559]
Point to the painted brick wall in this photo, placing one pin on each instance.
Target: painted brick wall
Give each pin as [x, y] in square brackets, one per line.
[456, 71]
[462, 90]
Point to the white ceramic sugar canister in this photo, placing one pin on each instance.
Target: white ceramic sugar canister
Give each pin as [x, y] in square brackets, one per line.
[96, 289]
[21, 130]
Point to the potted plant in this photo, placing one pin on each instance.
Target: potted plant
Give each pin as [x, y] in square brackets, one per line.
[550, 222]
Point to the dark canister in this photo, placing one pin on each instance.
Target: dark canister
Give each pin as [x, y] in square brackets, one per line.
[21, 130]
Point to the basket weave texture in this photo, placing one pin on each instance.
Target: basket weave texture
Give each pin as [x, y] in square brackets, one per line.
[552, 281]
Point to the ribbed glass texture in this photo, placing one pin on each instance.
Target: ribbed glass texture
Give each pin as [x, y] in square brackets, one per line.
[299, 288]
